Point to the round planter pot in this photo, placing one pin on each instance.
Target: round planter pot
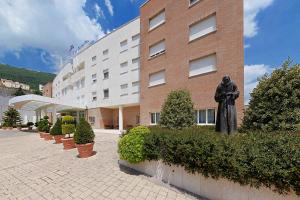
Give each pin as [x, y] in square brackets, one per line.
[48, 137]
[41, 134]
[68, 143]
[58, 138]
[85, 150]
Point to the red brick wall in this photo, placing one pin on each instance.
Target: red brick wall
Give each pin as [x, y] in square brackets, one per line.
[226, 42]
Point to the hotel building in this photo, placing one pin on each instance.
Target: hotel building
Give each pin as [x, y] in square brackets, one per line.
[122, 79]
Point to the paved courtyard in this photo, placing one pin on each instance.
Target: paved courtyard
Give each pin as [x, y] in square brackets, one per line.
[31, 168]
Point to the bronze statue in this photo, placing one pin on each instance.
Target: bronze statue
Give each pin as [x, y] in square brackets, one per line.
[226, 94]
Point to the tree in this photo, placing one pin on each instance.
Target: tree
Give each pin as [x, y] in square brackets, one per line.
[178, 110]
[84, 133]
[12, 117]
[19, 92]
[275, 102]
[37, 92]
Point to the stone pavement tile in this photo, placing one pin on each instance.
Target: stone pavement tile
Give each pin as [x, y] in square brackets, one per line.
[34, 169]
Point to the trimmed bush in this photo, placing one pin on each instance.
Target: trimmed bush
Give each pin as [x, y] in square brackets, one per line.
[131, 146]
[56, 129]
[68, 126]
[43, 125]
[84, 133]
[254, 159]
[178, 110]
[12, 117]
[275, 102]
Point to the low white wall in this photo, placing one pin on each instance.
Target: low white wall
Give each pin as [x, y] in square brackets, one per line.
[221, 189]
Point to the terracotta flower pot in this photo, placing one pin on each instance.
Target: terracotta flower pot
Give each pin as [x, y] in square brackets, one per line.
[48, 137]
[41, 134]
[68, 143]
[58, 138]
[85, 150]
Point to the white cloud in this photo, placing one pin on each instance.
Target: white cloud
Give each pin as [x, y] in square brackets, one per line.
[109, 7]
[251, 10]
[251, 74]
[98, 11]
[48, 25]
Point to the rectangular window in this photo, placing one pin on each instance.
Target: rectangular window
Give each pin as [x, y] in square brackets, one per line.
[94, 96]
[202, 28]
[105, 74]
[92, 119]
[155, 117]
[135, 87]
[136, 38]
[157, 20]
[94, 58]
[205, 116]
[123, 46]
[105, 52]
[124, 90]
[124, 68]
[203, 65]
[106, 93]
[157, 49]
[82, 82]
[135, 64]
[157, 78]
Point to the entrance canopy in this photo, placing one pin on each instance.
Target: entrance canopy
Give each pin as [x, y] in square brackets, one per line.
[36, 102]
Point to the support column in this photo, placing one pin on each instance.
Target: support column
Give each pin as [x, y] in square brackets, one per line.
[54, 118]
[77, 117]
[121, 119]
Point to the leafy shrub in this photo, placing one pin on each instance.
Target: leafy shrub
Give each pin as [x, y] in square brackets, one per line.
[254, 159]
[12, 117]
[43, 125]
[275, 102]
[178, 110]
[29, 124]
[46, 128]
[84, 133]
[131, 146]
[56, 129]
[67, 119]
[68, 126]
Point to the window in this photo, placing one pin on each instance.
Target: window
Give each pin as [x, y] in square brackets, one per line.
[202, 28]
[192, 2]
[135, 87]
[157, 20]
[157, 78]
[135, 64]
[82, 82]
[136, 37]
[105, 52]
[157, 49]
[94, 78]
[123, 45]
[124, 90]
[106, 93]
[203, 65]
[205, 117]
[94, 58]
[105, 74]
[94, 96]
[155, 117]
[92, 119]
[124, 68]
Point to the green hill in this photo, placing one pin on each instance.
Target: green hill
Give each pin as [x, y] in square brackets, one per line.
[22, 75]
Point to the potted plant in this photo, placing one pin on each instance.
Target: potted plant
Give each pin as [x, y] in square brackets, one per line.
[46, 130]
[4, 126]
[68, 129]
[41, 126]
[12, 118]
[84, 139]
[29, 125]
[56, 131]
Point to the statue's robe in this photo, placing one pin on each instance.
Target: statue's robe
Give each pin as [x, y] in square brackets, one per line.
[225, 95]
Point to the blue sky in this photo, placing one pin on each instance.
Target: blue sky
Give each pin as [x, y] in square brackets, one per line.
[36, 34]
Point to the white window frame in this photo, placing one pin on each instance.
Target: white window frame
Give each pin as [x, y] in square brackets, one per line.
[124, 89]
[213, 17]
[104, 97]
[193, 3]
[203, 72]
[162, 83]
[153, 55]
[155, 118]
[158, 24]
[206, 117]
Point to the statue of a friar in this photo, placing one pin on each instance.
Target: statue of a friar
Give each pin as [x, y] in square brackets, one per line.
[226, 94]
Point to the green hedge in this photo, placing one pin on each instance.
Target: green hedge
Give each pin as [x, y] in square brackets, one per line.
[131, 146]
[250, 159]
[68, 129]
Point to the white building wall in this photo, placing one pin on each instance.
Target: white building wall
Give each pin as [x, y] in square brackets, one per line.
[117, 55]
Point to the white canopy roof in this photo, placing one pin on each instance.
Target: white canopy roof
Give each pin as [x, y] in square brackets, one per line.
[35, 102]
